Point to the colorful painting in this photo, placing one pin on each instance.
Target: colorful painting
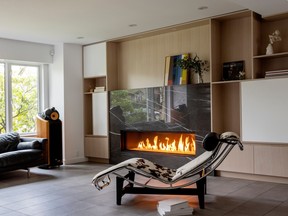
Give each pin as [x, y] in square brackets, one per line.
[174, 74]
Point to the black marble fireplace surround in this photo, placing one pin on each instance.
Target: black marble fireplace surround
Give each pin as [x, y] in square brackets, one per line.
[168, 108]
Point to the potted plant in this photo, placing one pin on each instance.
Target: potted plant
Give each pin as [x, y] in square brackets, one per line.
[195, 65]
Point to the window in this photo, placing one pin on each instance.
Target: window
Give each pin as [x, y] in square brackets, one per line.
[2, 100]
[20, 101]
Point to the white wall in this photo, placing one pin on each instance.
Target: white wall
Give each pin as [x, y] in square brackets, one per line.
[56, 87]
[26, 51]
[73, 103]
[65, 86]
[65, 94]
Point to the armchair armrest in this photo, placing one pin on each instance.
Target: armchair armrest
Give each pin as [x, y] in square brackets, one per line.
[33, 142]
[30, 139]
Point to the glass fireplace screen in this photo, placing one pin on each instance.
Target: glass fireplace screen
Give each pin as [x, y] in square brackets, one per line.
[164, 142]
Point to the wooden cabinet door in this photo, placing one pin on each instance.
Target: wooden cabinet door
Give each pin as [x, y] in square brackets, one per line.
[99, 113]
[95, 61]
[271, 159]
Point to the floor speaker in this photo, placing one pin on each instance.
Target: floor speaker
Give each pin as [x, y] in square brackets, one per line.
[55, 156]
[52, 130]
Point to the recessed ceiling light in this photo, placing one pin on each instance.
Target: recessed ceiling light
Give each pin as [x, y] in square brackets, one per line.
[132, 25]
[203, 8]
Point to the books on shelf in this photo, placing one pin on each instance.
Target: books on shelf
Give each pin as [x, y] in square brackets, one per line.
[276, 73]
[174, 207]
[99, 89]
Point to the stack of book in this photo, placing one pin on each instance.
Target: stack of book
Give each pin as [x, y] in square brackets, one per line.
[99, 89]
[174, 207]
[276, 73]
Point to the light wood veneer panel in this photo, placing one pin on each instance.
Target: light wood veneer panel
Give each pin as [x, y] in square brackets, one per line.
[239, 161]
[141, 61]
[96, 147]
[271, 160]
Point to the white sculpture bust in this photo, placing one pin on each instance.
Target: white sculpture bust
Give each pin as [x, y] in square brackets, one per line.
[275, 37]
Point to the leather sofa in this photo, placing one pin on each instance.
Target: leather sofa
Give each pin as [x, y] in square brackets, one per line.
[21, 152]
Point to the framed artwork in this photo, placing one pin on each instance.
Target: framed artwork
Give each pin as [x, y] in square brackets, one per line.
[173, 74]
[233, 70]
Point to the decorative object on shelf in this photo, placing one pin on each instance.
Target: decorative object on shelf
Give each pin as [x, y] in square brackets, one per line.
[276, 73]
[179, 69]
[195, 65]
[91, 88]
[192, 65]
[99, 89]
[233, 70]
[174, 74]
[274, 37]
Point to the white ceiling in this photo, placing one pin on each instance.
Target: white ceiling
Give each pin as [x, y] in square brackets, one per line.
[63, 21]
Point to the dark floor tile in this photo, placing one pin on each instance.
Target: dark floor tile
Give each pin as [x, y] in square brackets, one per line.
[281, 210]
[255, 207]
[68, 191]
[277, 193]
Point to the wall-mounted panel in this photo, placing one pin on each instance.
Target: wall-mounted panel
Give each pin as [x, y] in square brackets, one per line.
[265, 110]
[99, 106]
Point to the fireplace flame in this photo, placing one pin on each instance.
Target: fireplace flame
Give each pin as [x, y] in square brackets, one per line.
[182, 146]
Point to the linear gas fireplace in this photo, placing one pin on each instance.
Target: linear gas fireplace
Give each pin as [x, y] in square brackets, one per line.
[163, 124]
[182, 143]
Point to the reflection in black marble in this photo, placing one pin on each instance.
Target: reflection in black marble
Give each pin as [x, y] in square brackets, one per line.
[169, 108]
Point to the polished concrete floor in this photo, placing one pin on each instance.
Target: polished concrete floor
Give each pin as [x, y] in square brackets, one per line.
[68, 191]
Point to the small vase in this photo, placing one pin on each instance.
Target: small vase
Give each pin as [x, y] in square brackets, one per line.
[269, 49]
[200, 78]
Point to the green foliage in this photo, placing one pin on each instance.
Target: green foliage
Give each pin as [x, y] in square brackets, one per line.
[121, 98]
[24, 101]
[2, 104]
[195, 65]
[133, 110]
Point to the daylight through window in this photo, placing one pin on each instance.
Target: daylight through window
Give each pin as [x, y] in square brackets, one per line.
[19, 97]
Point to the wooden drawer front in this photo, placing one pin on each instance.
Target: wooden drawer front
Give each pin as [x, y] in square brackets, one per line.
[97, 147]
[239, 161]
[271, 160]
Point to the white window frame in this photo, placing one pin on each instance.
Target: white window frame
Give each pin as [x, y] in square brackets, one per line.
[42, 86]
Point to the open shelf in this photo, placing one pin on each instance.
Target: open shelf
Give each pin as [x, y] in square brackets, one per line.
[275, 55]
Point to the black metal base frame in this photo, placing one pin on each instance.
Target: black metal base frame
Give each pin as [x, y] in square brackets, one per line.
[121, 190]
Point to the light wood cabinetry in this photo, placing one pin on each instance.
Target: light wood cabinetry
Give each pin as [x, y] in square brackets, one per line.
[238, 161]
[99, 70]
[230, 41]
[244, 36]
[96, 147]
[100, 114]
[95, 61]
[278, 60]
[233, 37]
[271, 159]
[141, 60]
